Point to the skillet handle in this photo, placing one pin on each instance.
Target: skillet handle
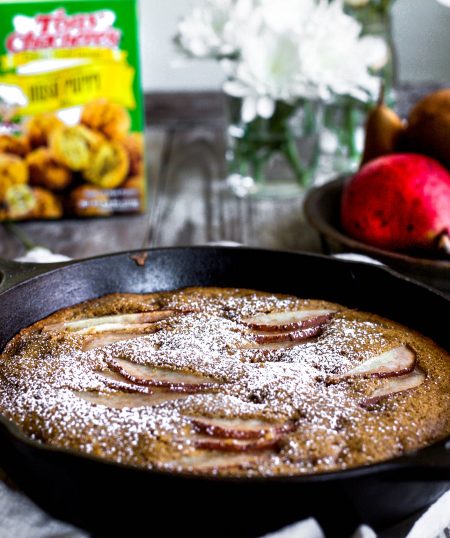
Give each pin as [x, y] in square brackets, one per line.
[13, 273]
[429, 464]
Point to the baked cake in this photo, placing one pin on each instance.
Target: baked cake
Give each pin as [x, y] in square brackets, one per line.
[226, 381]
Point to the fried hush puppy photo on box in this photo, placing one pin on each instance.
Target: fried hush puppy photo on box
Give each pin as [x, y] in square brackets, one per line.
[108, 118]
[74, 146]
[52, 164]
[46, 171]
[19, 200]
[39, 127]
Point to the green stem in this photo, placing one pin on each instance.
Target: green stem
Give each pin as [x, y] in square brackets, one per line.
[309, 122]
[258, 169]
[243, 167]
[20, 235]
[351, 117]
[291, 153]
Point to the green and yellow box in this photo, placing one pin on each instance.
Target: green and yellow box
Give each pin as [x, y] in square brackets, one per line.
[71, 112]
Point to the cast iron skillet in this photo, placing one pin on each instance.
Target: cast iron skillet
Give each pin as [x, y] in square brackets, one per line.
[113, 499]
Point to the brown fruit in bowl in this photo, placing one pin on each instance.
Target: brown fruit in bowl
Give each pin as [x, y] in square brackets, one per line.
[398, 202]
[428, 130]
[384, 128]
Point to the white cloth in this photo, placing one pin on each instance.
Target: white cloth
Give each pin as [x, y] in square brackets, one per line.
[308, 528]
[21, 518]
[435, 522]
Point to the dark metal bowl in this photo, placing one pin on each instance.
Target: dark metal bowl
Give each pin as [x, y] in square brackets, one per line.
[322, 209]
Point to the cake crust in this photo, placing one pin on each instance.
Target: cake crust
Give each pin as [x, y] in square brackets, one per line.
[226, 382]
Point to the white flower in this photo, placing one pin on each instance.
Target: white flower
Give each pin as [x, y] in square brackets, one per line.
[267, 71]
[203, 32]
[283, 50]
[286, 15]
[335, 59]
[375, 50]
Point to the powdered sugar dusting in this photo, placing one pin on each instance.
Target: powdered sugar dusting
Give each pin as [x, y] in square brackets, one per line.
[61, 394]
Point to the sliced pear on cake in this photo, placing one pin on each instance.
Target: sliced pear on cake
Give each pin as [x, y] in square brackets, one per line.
[288, 320]
[236, 445]
[96, 341]
[398, 361]
[207, 461]
[238, 428]
[171, 380]
[395, 385]
[122, 400]
[273, 340]
[113, 322]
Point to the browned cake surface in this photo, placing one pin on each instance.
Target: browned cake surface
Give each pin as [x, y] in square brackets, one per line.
[206, 389]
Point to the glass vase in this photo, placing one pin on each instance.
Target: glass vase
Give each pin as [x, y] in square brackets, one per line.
[375, 19]
[273, 157]
[342, 137]
[342, 140]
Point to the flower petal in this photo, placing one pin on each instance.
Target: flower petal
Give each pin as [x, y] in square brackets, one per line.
[265, 107]
[235, 88]
[248, 112]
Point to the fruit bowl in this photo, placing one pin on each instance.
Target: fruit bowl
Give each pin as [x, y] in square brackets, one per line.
[322, 210]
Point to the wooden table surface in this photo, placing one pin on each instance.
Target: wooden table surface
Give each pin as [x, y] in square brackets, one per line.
[189, 203]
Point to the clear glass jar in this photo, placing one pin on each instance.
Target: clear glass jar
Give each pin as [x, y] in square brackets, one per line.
[375, 18]
[342, 140]
[274, 157]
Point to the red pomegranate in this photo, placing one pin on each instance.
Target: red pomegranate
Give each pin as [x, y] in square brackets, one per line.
[398, 202]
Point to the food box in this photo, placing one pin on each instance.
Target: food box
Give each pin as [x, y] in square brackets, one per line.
[71, 114]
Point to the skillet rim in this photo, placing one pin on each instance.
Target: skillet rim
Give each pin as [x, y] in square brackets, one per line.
[405, 462]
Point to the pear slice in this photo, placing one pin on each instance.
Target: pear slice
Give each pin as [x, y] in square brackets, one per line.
[288, 321]
[398, 361]
[236, 445]
[294, 336]
[395, 385]
[237, 428]
[119, 327]
[171, 380]
[106, 339]
[117, 321]
[122, 400]
[210, 461]
[117, 382]
[272, 346]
